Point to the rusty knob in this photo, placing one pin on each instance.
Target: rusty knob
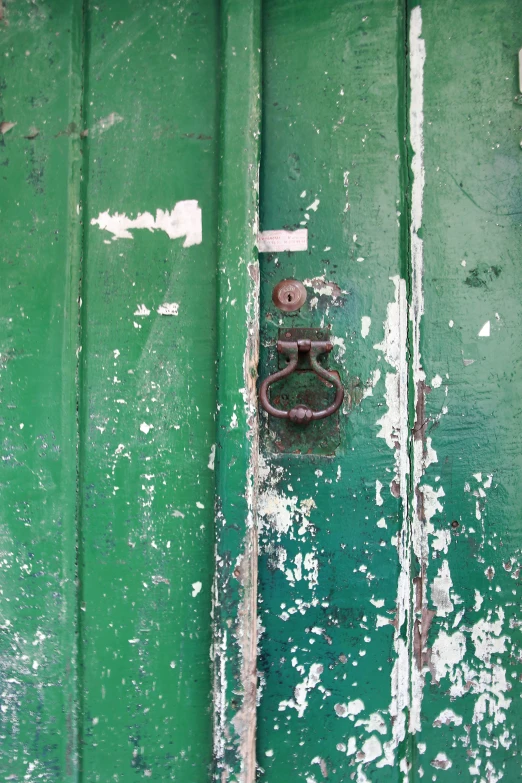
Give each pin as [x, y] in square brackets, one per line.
[300, 414]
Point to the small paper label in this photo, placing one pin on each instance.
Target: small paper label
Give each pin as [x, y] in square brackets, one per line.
[276, 241]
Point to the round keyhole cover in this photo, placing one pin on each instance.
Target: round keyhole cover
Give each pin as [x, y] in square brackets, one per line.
[289, 295]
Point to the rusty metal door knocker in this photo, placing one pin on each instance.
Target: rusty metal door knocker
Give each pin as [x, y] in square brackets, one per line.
[296, 351]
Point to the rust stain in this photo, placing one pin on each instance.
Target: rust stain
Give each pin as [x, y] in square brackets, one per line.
[422, 625]
[419, 429]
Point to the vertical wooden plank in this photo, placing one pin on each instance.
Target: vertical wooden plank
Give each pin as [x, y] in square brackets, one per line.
[40, 165]
[334, 563]
[466, 227]
[235, 611]
[148, 383]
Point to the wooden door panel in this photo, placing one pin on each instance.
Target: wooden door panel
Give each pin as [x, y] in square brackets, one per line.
[331, 162]
[466, 700]
[109, 408]
[39, 338]
[148, 382]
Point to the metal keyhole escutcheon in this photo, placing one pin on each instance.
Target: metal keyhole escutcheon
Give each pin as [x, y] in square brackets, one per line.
[289, 295]
[294, 351]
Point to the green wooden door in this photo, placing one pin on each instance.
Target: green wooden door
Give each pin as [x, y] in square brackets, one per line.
[108, 389]
[190, 589]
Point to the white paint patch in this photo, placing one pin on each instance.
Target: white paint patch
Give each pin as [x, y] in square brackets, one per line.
[142, 310]
[105, 123]
[182, 221]
[212, 457]
[436, 381]
[447, 651]
[144, 427]
[446, 718]
[371, 384]
[440, 590]
[366, 322]
[338, 342]
[323, 287]
[486, 636]
[441, 541]
[352, 708]
[314, 205]
[394, 423]
[300, 700]
[196, 588]
[378, 497]
[441, 761]
[371, 749]
[486, 330]
[374, 723]
[168, 308]
[277, 241]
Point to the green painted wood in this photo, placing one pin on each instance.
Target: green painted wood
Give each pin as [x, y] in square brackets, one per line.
[144, 470]
[40, 91]
[148, 385]
[451, 593]
[389, 570]
[331, 702]
[470, 588]
[235, 590]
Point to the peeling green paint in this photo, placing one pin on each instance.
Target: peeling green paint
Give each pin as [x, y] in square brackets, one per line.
[376, 632]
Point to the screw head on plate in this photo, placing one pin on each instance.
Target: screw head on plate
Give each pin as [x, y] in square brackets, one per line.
[289, 295]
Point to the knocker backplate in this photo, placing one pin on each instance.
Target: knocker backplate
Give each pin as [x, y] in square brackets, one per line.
[304, 387]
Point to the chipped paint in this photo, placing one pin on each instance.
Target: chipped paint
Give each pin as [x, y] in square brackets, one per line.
[103, 124]
[184, 220]
[300, 701]
[366, 322]
[420, 514]
[323, 287]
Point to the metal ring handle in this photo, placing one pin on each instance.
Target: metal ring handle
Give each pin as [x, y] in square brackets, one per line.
[302, 414]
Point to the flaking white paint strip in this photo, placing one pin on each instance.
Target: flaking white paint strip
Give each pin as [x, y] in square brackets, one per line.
[406, 680]
[182, 221]
[395, 431]
[277, 241]
[417, 58]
